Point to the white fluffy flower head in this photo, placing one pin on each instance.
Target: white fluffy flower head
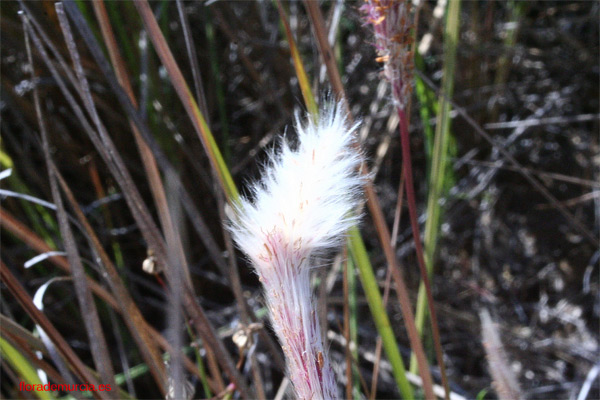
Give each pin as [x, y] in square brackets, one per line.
[302, 206]
[306, 194]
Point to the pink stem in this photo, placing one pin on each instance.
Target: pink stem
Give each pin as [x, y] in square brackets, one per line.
[412, 212]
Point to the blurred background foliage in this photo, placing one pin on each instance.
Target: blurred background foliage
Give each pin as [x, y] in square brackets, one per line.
[526, 73]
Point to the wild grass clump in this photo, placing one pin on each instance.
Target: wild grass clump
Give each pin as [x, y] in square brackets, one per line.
[128, 127]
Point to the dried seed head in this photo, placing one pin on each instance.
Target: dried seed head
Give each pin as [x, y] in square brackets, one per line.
[392, 25]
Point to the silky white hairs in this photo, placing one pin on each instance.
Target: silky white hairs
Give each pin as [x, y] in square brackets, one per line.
[302, 207]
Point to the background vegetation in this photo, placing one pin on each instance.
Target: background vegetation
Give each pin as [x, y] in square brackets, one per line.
[102, 182]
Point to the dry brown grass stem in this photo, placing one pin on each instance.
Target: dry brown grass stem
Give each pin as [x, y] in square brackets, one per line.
[503, 378]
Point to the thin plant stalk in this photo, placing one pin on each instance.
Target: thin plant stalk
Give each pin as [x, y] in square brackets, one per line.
[20, 294]
[353, 378]
[349, 381]
[392, 26]
[303, 82]
[23, 367]
[382, 322]
[504, 381]
[123, 304]
[84, 296]
[358, 251]
[196, 312]
[136, 205]
[186, 97]
[147, 157]
[388, 281]
[410, 197]
[439, 159]
[219, 90]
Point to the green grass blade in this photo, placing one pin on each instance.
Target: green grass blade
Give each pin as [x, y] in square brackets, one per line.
[189, 103]
[219, 90]
[382, 322]
[353, 311]
[200, 364]
[309, 98]
[516, 10]
[23, 368]
[39, 217]
[126, 39]
[439, 159]
[428, 106]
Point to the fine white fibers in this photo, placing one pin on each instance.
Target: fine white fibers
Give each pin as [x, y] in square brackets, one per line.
[305, 194]
[302, 206]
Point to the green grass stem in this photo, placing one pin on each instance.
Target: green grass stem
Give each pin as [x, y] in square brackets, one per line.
[439, 160]
[353, 311]
[23, 367]
[382, 322]
[219, 91]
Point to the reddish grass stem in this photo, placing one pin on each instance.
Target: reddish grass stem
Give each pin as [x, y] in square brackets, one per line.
[412, 211]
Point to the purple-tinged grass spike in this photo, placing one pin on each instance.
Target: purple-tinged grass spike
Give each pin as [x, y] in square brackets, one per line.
[302, 208]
